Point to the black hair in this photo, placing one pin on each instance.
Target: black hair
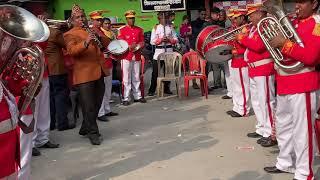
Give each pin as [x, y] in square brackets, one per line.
[215, 10]
[106, 19]
[185, 17]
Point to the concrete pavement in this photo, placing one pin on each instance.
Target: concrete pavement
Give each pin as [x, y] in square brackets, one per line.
[170, 139]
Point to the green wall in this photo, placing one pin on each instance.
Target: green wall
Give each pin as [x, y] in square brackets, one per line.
[116, 8]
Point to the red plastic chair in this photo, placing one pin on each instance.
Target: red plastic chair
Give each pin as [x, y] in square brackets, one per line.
[194, 67]
[143, 60]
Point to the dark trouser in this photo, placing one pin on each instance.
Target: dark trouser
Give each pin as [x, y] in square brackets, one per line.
[90, 98]
[216, 68]
[59, 101]
[154, 77]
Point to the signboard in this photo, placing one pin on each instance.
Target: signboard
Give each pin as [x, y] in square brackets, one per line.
[162, 5]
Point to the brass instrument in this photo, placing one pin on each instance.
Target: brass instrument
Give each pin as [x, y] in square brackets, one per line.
[96, 39]
[54, 22]
[270, 27]
[18, 29]
[230, 36]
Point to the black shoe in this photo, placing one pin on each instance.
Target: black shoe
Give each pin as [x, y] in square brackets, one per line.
[36, 152]
[254, 135]
[67, 127]
[125, 103]
[141, 100]
[83, 132]
[234, 114]
[217, 87]
[151, 94]
[226, 97]
[210, 89]
[95, 139]
[103, 118]
[168, 92]
[273, 170]
[112, 114]
[269, 142]
[229, 112]
[261, 140]
[49, 145]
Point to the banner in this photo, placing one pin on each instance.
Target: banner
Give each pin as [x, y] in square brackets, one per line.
[162, 5]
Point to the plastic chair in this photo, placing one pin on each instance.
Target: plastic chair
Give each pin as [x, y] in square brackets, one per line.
[196, 70]
[171, 61]
[143, 60]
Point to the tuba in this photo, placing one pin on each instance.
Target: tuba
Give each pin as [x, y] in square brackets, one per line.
[21, 62]
[270, 27]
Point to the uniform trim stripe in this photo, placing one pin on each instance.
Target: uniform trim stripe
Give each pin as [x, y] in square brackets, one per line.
[268, 103]
[310, 135]
[243, 93]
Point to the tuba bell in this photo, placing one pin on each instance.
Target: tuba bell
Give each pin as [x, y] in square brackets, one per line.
[270, 27]
[20, 59]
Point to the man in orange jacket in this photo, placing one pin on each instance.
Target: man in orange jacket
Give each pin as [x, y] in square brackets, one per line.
[261, 73]
[297, 95]
[88, 72]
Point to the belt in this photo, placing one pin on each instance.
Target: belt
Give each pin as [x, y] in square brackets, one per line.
[162, 47]
[281, 72]
[238, 56]
[6, 126]
[259, 63]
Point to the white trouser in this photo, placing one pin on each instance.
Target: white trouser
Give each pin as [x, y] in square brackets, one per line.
[241, 93]
[263, 102]
[130, 79]
[229, 80]
[25, 150]
[105, 105]
[42, 115]
[295, 117]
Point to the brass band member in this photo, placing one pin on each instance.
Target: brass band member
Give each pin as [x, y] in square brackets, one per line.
[239, 71]
[261, 73]
[297, 95]
[81, 44]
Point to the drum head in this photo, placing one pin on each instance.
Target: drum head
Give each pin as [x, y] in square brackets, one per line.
[219, 54]
[118, 47]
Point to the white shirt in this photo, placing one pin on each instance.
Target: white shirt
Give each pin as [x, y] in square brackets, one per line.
[158, 32]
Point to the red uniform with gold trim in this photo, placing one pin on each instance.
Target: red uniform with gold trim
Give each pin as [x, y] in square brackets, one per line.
[9, 131]
[132, 35]
[131, 64]
[297, 101]
[261, 73]
[240, 80]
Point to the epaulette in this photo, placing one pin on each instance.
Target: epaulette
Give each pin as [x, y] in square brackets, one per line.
[316, 29]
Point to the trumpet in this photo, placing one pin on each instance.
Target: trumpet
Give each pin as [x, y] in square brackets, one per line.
[230, 36]
[53, 23]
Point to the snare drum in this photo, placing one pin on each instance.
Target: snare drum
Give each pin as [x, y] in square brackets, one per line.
[118, 49]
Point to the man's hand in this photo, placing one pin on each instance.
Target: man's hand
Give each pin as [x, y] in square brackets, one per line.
[278, 41]
[42, 18]
[90, 38]
[133, 46]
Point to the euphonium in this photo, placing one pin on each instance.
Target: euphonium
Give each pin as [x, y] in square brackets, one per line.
[270, 27]
[18, 62]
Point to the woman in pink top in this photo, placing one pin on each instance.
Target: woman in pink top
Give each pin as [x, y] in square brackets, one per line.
[186, 31]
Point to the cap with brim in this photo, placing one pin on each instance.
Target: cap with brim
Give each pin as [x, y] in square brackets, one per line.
[254, 7]
[230, 13]
[130, 14]
[239, 12]
[95, 15]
